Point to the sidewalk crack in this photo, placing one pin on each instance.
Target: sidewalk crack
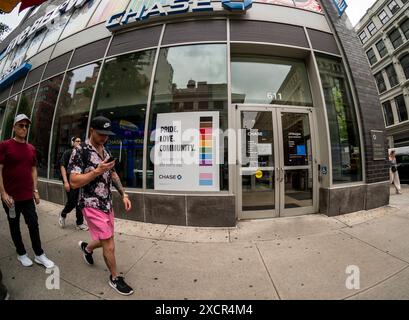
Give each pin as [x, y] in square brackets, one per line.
[268, 272]
[373, 246]
[376, 284]
[146, 252]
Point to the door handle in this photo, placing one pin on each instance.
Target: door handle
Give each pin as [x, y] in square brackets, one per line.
[282, 175]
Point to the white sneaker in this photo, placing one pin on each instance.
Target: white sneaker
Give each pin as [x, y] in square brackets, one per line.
[83, 227]
[25, 260]
[43, 260]
[61, 221]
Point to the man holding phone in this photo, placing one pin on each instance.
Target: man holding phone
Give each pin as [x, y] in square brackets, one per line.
[91, 168]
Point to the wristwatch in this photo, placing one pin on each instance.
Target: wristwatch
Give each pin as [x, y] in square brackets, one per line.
[35, 190]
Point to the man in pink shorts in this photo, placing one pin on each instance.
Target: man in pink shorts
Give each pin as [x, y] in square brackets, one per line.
[91, 168]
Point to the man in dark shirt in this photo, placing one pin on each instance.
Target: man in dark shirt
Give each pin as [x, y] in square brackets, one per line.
[91, 168]
[18, 188]
[72, 194]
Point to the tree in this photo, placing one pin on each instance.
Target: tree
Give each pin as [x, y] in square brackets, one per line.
[3, 27]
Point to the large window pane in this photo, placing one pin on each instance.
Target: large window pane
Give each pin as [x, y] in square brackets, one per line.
[380, 82]
[27, 100]
[383, 16]
[36, 43]
[9, 117]
[401, 108]
[393, 6]
[189, 79]
[395, 38]
[391, 73]
[42, 120]
[371, 56]
[380, 45]
[387, 111]
[405, 28]
[54, 31]
[80, 18]
[2, 63]
[343, 126]
[372, 28]
[269, 81]
[122, 97]
[404, 62]
[363, 37]
[72, 111]
[3, 106]
[106, 9]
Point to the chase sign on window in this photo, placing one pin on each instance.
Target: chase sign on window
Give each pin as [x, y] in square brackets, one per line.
[175, 7]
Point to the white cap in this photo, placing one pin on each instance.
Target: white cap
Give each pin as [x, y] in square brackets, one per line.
[21, 117]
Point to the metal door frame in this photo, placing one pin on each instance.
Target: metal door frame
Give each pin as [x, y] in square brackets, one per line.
[279, 169]
[313, 163]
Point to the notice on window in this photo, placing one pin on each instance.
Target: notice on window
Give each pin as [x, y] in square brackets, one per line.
[264, 149]
[378, 145]
[186, 151]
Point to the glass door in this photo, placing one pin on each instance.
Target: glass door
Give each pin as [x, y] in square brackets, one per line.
[257, 164]
[297, 170]
[277, 176]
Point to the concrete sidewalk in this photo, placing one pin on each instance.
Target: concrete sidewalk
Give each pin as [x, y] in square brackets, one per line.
[288, 258]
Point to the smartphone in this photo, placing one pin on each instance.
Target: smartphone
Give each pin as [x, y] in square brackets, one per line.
[111, 158]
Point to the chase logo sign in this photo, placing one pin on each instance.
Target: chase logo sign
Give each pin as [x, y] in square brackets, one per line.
[174, 7]
[341, 6]
[237, 5]
[170, 177]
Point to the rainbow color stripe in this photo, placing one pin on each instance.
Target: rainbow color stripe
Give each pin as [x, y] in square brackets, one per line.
[206, 150]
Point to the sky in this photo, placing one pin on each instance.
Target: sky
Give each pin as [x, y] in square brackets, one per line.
[12, 19]
[356, 9]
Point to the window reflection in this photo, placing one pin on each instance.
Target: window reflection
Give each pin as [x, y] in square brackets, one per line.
[9, 117]
[36, 43]
[343, 126]
[72, 111]
[106, 9]
[80, 18]
[269, 81]
[2, 111]
[42, 119]
[187, 79]
[26, 102]
[122, 97]
[54, 31]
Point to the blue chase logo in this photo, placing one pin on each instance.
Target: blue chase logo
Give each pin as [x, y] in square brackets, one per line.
[173, 7]
[242, 5]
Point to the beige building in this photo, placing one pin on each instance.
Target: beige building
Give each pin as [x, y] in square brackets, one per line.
[384, 34]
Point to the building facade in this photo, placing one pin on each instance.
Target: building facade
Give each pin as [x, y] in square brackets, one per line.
[384, 34]
[222, 110]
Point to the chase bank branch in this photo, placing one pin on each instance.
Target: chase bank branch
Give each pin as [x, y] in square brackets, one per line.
[279, 92]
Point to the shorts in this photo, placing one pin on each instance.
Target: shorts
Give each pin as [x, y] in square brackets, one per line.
[100, 224]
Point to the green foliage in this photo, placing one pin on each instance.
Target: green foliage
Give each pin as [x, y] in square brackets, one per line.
[3, 27]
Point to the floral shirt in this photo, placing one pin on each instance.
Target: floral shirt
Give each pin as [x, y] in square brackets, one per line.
[97, 194]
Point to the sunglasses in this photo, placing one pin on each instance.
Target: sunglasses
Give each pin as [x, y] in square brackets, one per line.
[21, 126]
[77, 141]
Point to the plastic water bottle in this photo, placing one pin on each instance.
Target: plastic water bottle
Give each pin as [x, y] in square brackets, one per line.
[12, 210]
